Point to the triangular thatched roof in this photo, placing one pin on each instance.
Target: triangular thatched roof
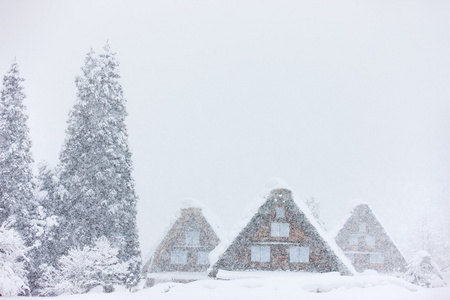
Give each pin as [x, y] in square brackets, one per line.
[282, 234]
[185, 246]
[366, 242]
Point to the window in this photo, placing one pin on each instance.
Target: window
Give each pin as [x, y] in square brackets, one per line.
[351, 256]
[280, 212]
[370, 240]
[362, 227]
[279, 229]
[299, 254]
[192, 238]
[260, 253]
[202, 258]
[178, 257]
[377, 258]
[353, 240]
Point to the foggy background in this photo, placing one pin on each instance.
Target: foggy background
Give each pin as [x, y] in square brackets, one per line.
[341, 99]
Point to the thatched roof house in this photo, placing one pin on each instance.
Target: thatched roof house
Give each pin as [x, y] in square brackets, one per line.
[182, 253]
[367, 244]
[282, 234]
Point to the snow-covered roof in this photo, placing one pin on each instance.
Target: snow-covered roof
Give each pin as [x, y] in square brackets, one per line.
[338, 227]
[355, 204]
[160, 238]
[252, 209]
[210, 216]
[275, 183]
[187, 203]
[350, 207]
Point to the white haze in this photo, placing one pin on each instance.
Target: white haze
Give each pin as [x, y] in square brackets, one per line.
[341, 99]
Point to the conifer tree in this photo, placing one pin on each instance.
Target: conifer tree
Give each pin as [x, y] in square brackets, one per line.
[18, 204]
[97, 187]
[47, 187]
[50, 211]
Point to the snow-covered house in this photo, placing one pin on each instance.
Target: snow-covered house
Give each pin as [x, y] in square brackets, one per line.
[367, 244]
[182, 253]
[282, 234]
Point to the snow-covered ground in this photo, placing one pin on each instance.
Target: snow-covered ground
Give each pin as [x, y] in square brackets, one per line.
[280, 286]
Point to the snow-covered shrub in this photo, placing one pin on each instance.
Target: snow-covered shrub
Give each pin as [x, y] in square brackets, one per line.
[131, 282]
[432, 234]
[49, 280]
[421, 270]
[13, 276]
[82, 269]
[107, 267]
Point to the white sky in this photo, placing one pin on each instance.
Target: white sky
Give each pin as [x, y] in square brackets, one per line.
[341, 99]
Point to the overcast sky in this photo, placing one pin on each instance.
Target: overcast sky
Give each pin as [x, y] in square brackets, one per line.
[341, 99]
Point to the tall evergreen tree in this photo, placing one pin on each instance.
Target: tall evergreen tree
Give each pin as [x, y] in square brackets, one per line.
[18, 204]
[96, 166]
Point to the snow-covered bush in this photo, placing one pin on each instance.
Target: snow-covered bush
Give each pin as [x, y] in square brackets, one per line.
[82, 269]
[49, 280]
[432, 234]
[13, 276]
[107, 267]
[131, 282]
[421, 270]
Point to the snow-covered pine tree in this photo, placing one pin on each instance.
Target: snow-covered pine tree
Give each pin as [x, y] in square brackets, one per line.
[16, 178]
[95, 162]
[18, 203]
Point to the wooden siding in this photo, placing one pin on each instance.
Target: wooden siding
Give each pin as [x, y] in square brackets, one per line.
[190, 220]
[301, 234]
[393, 260]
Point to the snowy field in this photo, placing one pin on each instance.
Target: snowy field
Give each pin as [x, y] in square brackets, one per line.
[280, 286]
